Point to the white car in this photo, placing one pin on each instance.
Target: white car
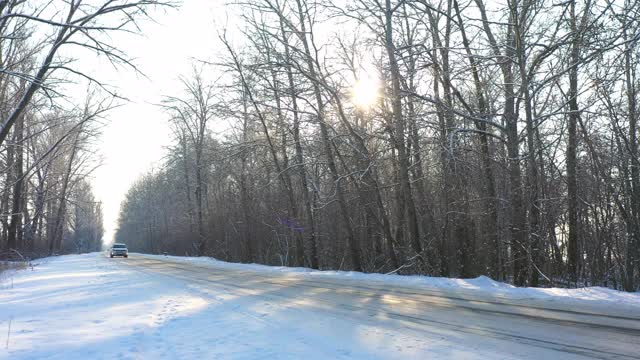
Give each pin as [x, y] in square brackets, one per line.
[119, 249]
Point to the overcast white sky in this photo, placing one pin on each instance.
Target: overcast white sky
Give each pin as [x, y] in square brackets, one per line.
[133, 140]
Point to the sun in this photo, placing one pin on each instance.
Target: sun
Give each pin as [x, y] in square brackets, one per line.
[365, 92]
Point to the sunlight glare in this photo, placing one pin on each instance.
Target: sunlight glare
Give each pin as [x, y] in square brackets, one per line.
[365, 92]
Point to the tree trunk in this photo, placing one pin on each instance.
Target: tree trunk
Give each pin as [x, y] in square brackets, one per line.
[399, 136]
[495, 266]
[633, 240]
[572, 184]
[17, 198]
[353, 247]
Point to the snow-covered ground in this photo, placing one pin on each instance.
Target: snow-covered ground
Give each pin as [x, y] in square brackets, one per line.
[93, 307]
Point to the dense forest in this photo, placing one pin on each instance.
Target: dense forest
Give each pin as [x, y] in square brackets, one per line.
[47, 138]
[447, 138]
[502, 141]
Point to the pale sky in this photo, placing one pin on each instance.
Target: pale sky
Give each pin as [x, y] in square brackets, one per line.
[135, 136]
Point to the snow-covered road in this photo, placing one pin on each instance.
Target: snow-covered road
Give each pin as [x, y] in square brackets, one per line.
[146, 307]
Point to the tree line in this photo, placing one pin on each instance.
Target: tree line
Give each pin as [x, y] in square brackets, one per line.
[48, 136]
[503, 142]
